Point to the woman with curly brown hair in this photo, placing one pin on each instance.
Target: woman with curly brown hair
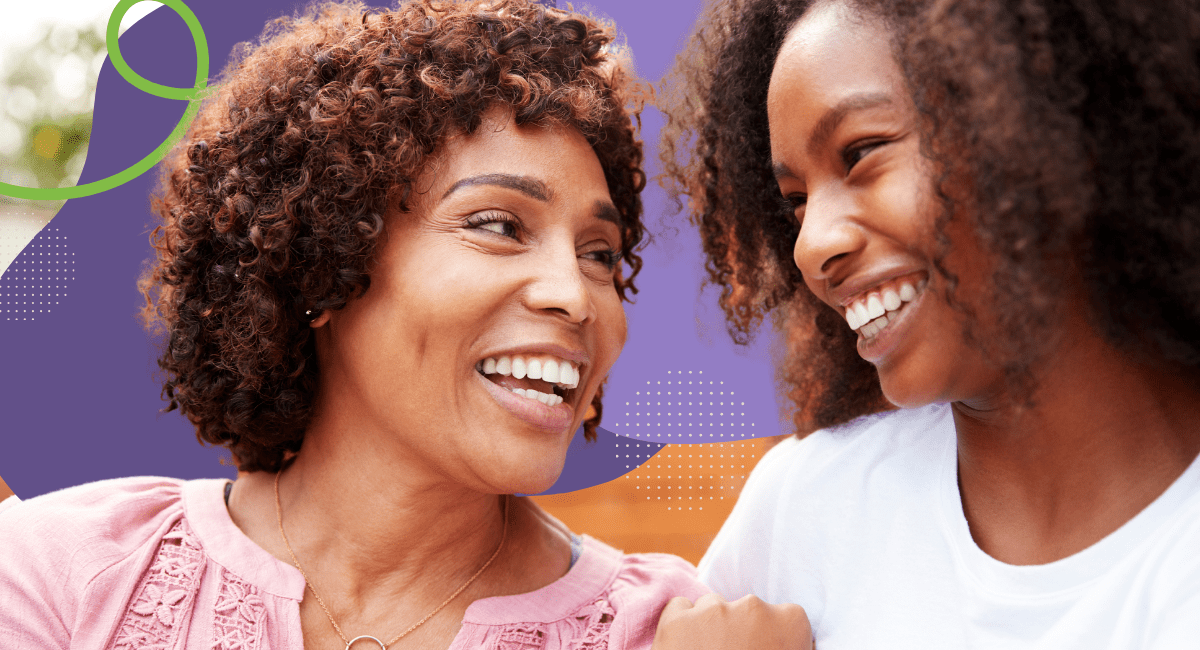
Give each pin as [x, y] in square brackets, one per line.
[390, 273]
[977, 226]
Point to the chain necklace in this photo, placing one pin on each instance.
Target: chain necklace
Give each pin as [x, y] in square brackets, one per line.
[365, 637]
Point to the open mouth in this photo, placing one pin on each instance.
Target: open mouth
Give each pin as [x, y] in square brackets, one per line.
[543, 378]
[872, 311]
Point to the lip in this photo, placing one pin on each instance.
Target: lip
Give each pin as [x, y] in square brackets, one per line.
[549, 418]
[877, 349]
[854, 288]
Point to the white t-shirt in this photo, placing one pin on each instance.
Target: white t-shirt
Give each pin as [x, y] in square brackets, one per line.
[862, 525]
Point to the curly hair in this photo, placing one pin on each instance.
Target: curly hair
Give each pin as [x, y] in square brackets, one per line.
[273, 205]
[1073, 125]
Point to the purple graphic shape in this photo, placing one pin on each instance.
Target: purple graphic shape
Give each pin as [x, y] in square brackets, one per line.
[79, 392]
[610, 457]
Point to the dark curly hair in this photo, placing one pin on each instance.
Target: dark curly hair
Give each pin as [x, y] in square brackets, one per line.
[274, 203]
[1074, 126]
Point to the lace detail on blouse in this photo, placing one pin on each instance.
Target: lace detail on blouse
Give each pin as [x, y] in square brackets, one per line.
[586, 629]
[237, 624]
[163, 599]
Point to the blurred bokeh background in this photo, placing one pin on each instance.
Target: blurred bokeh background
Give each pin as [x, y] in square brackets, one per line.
[50, 57]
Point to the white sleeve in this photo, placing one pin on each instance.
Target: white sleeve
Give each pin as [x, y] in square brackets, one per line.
[738, 561]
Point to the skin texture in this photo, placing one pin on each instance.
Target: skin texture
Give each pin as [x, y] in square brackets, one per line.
[1105, 431]
[846, 150]
[273, 207]
[407, 449]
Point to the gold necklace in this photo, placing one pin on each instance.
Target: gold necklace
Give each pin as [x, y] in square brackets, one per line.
[366, 637]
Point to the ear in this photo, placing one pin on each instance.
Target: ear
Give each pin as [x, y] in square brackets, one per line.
[320, 320]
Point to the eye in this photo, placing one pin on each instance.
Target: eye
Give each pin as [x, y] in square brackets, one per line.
[854, 153]
[501, 223]
[609, 257]
[794, 203]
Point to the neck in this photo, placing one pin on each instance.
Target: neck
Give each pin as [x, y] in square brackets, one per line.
[1103, 436]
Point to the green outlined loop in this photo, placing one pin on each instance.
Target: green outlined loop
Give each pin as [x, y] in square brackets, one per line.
[193, 96]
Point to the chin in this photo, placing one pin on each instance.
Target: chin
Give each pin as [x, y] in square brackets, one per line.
[908, 392]
[526, 473]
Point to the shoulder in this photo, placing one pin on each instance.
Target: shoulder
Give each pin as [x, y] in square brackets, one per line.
[643, 577]
[641, 586]
[57, 547]
[81, 530]
[829, 475]
[82, 516]
[607, 600]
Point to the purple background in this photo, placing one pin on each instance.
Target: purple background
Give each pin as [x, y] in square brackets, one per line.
[80, 396]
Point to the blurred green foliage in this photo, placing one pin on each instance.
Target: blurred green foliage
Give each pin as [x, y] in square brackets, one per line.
[46, 96]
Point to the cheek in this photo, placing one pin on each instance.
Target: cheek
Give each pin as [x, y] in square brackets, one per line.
[611, 327]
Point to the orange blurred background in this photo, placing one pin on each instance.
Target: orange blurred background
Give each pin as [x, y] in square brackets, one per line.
[674, 503]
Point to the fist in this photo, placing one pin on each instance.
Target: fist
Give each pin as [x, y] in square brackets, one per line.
[714, 624]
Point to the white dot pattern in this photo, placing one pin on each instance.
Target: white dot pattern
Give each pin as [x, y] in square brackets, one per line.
[685, 406]
[38, 279]
[688, 477]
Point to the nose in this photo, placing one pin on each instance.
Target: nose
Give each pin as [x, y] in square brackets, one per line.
[557, 286]
[829, 236]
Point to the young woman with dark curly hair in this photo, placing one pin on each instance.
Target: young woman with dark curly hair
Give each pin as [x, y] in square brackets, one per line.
[977, 225]
[390, 272]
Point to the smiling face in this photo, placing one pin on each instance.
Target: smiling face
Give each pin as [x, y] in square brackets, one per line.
[846, 152]
[492, 316]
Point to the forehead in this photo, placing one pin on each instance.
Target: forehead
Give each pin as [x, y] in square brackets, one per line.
[499, 146]
[831, 53]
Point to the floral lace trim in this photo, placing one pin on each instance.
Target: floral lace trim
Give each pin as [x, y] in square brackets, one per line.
[164, 597]
[586, 629]
[237, 623]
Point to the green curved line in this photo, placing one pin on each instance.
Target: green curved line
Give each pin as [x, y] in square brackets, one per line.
[193, 96]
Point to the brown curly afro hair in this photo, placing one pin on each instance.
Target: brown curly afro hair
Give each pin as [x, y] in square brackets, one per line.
[273, 205]
[1075, 124]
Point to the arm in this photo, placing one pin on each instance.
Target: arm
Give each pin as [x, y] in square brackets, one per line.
[712, 623]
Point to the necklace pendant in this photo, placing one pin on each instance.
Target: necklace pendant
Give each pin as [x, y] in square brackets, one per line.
[365, 637]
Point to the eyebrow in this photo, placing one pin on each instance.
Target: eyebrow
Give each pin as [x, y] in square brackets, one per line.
[832, 118]
[606, 211]
[828, 124]
[530, 187]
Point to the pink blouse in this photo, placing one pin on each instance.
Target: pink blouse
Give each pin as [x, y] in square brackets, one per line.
[155, 563]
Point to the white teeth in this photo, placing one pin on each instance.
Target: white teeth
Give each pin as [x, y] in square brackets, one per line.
[872, 310]
[529, 393]
[891, 300]
[550, 371]
[869, 330]
[554, 371]
[852, 318]
[874, 307]
[860, 310]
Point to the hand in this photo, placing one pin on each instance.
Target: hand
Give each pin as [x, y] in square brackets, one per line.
[714, 624]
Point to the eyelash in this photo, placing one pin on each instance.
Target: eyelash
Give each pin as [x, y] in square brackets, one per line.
[851, 156]
[859, 149]
[484, 218]
[608, 257]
